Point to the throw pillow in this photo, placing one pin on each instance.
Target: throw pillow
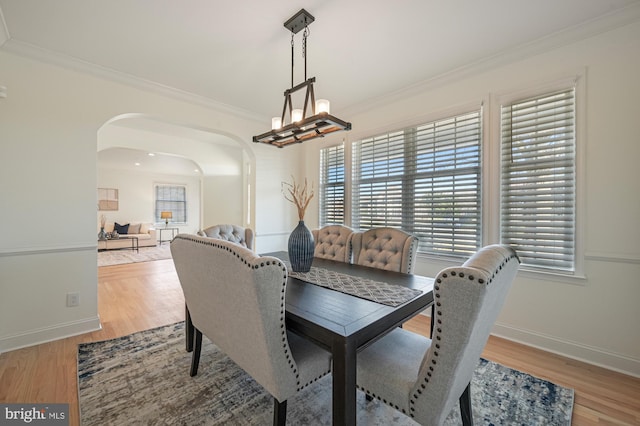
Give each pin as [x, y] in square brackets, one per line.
[121, 229]
[134, 228]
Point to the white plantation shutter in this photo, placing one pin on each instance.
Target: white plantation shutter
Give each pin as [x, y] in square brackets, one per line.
[424, 180]
[538, 180]
[378, 166]
[332, 185]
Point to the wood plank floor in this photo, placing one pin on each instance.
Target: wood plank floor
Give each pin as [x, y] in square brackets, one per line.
[140, 296]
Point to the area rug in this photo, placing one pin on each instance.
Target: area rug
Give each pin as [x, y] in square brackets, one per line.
[145, 254]
[144, 378]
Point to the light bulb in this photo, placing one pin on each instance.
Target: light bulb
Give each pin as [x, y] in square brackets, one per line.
[322, 105]
[296, 115]
[276, 123]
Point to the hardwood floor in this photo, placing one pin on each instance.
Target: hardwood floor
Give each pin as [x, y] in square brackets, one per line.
[140, 296]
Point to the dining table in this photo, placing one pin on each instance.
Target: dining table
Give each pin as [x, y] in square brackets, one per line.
[344, 307]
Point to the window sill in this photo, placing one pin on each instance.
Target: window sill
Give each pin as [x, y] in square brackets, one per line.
[524, 272]
[575, 279]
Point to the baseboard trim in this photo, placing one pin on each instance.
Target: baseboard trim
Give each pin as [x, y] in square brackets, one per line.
[49, 334]
[574, 350]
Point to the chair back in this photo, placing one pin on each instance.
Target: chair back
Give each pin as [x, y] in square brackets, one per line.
[237, 299]
[467, 301]
[333, 242]
[385, 248]
[234, 233]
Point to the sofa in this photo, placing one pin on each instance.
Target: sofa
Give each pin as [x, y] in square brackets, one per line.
[145, 232]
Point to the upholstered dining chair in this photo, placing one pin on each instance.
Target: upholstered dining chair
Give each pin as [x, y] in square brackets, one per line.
[424, 377]
[234, 233]
[237, 299]
[333, 242]
[385, 248]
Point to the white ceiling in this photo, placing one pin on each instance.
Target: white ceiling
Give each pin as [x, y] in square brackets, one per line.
[140, 161]
[237, 53]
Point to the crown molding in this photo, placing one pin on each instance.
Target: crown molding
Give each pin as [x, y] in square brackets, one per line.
[68, 62]
[592, 28]
[608, 22]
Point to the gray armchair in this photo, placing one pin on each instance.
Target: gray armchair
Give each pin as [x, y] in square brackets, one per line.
[234, 233]
[333, 242]
[424, 377]
[237, 299]
[385, 248]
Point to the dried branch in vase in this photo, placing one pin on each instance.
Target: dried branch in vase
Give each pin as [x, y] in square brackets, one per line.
[298, 195]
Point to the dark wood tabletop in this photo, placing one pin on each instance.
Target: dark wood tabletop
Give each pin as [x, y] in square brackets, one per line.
[344, 324]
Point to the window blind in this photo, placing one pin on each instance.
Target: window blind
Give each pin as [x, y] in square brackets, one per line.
[332, 186]
[171, 198]
[538, 180]
[425, 180]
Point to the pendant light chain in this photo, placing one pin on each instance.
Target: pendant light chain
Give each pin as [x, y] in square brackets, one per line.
[305, 34]
[292, 44]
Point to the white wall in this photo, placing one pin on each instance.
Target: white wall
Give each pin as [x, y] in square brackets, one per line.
[222, 201]
[136, 192]
[276, 218]
[594, 318]
[48, 131]
[49, 124]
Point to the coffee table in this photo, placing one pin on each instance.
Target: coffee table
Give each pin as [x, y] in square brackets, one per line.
[134, 243]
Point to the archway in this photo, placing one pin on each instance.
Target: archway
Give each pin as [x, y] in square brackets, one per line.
[224, 163]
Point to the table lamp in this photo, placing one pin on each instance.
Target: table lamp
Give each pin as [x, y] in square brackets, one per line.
[166, 216]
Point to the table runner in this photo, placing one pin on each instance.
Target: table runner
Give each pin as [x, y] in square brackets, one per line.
[365, 288]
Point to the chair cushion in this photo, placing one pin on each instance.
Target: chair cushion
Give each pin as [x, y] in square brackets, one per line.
[333, 242]
[385, 248]
[382, 373]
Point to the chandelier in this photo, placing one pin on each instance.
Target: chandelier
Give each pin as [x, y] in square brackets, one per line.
[314, 119]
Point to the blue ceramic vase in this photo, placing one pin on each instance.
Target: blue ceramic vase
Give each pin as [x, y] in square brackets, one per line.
[301, 248]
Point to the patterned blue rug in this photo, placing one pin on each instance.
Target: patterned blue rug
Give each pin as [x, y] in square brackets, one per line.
[144, 378]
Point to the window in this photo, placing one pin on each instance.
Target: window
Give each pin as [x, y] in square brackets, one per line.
[538, 180]
[171, 198]
[332, 186]
[425, 180]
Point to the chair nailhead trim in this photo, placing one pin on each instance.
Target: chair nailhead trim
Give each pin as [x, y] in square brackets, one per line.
[262, 264]
[437, 338]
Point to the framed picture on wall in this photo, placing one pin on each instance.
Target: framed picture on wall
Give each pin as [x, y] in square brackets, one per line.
[107, 199]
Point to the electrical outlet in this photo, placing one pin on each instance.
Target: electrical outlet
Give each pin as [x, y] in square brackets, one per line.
[73, 299]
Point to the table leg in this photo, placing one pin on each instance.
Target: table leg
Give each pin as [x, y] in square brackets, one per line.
[344, 384]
